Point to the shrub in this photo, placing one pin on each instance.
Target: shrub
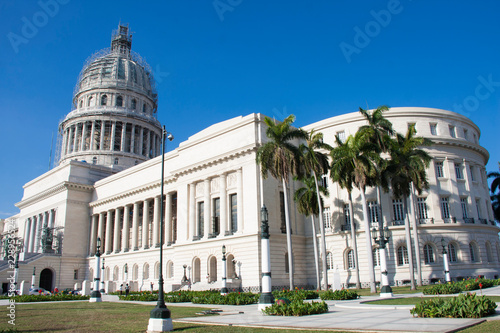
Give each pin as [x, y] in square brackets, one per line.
[459, 286]
[297, 294]
[342, 294]
[296, 308]
[463, 306]
[440, 289]
[229, 299]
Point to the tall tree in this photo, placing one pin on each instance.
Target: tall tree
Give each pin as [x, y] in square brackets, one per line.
[307, 203]
[281, 158]
[355, 162]
[495, 197]
[315, 162]
[405, 171]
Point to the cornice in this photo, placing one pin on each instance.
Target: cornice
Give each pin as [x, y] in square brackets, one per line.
[64, 186]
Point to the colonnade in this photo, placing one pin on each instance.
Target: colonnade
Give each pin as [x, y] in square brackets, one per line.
[134, 226]
[33, 230]
[111, 135]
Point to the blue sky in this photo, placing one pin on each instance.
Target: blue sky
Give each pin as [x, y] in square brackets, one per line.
[214, 60]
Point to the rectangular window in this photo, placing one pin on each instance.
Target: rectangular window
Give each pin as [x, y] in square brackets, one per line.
[373, 211]
[466, 134]
[397, 207]
[439, 169]
[341, 136]
[421, 208]
[323, 181]
[475, 138]
[347, 215]
[75, 274]
[433, 128]
[478, 207]
[463, 204]
[453, 134]
[216, 216]
[282, 212]
[201, 218]
[458, 171]
[414, 125]
[234, 212]
[327, 218]
[445, 208]
[472, 172]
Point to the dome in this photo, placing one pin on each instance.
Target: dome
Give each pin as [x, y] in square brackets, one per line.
[116, 67]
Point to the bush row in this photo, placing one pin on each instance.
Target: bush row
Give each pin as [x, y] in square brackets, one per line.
[48, 298]
[459, 286]
[297, 294]
[343, 294]
[463, 306]
[296, 308]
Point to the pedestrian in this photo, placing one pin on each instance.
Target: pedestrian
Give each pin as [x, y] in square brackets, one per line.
[152, 287]
[121, 288]
[127, 289]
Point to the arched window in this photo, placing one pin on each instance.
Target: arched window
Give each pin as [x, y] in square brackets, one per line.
[125, 272]
[428, 254]
[145, 272]
[133, 104]
[212, 266]
[91, 274]
[94, 160]
[89, 101]
[107, 276]
[81, 104]
[157, 270]
[144, 108]
[135, 272]
[116, 161]
[119, 101]
[452, 253]
[196, 270]
[104, 99]
[329, 260]
[230, 266]
[474, 253]
[170, 270]
[402, 255]
[489, 255]
[350, 260]
[115, 273]
[376, 256]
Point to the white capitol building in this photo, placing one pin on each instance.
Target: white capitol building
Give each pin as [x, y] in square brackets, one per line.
[107, 185]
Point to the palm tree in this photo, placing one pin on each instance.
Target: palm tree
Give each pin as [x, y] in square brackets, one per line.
[495, 197]
[379, 128]
[280, 157]
[307, 203]
[405, 171]
[315, 163]
[355, 163]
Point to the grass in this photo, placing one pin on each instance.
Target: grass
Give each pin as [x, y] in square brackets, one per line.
[415, 300]
[105, 317]
[488, 326]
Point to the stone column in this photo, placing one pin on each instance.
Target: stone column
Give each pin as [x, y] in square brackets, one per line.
[192, 212]
[141, 140]
[116, 236]
[64, 146]
[135, 226]
[84, 133]
[124, 134]
[113, 135]
[168, 219]
[103, 131]
[75, 140]
[207, 221]
[126, 228]
[52, 218]
[156, 223]
[92, 134]
[70, 140]
[153, 149]
[239, 199]
[223, 206]
[31, 247]
[109, 229]
[132, 139]
[27, 226]
[145, 225]
[93, 234]
[38, 233]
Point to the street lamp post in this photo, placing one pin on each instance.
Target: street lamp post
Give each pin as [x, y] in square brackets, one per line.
[16, 272]
[159, 320]
[447, 276]
[33, 278]
[189, 274]
[102, 275]
[266, 298]
[223, 291]
[382, 240]
[95, 295]
[184, 278]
